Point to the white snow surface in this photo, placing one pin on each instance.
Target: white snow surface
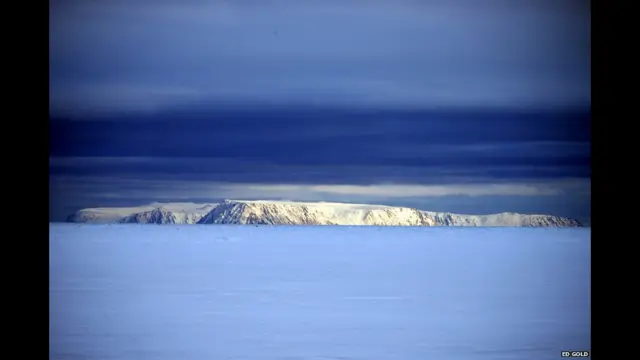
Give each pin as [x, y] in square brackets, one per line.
[130, 291]
[306, 213]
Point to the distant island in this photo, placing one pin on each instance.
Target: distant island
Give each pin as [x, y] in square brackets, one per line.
[267, 212]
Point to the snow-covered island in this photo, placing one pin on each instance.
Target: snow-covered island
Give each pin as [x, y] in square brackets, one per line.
[269, 212]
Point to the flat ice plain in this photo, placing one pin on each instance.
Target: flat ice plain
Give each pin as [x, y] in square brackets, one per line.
[227, 292]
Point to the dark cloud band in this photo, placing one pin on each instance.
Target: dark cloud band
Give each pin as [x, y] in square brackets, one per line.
[328, 146]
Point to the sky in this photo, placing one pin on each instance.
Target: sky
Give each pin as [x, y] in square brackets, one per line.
[462, 106]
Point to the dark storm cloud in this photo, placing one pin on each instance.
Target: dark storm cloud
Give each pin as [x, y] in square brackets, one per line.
[331, 146]
[391, 157]
[153, 55]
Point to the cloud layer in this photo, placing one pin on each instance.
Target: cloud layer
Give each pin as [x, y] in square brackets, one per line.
[168, 189]
[153, 55]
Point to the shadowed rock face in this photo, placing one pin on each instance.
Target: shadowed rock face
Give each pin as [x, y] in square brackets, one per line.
[230, 212]
[163, 216]
[502, 219]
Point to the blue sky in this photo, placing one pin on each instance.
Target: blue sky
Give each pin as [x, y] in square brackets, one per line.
[461, 106]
